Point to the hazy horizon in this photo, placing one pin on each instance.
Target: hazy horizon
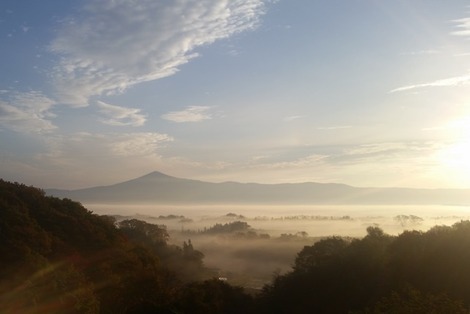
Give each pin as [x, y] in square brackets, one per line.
[320, 220]
[241, 182]
[289, 227]
[364, 93]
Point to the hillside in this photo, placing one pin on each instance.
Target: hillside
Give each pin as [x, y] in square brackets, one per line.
[158, 188]
[58, 257]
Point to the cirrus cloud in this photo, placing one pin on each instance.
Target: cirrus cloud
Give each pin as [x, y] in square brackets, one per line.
[26, 112]
[190, 114]
[115, 44]
[463, 26]
[451, 81]
[120, 116]
[463, 29]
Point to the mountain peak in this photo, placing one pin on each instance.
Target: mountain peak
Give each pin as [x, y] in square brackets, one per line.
[156, 175]
[159, 188]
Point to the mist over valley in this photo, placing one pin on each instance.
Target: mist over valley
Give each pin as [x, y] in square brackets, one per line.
[234, 157]
[250, 248]
[281, 218]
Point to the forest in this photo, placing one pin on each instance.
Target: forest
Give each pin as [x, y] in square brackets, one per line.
[59, 257]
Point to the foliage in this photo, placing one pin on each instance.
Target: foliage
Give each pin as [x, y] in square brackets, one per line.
[412, 301]
[143, 232]
[58, 257]
[235, 226]
[214, 296]
[339, 276]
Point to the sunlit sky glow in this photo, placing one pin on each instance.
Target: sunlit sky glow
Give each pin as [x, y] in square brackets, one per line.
[367, 93]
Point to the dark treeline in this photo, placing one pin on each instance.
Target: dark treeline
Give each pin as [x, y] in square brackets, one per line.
[58, 257]
[235, 229]
[231, 227]
[415, 272]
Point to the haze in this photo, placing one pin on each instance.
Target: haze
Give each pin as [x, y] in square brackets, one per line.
[277, 233]
[365, 93]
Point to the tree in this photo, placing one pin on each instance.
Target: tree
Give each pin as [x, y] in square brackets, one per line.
[213, 296]
[321, 253]
[141, 231]
[412, 301]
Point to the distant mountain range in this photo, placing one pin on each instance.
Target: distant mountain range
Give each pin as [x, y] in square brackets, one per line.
[159, 188]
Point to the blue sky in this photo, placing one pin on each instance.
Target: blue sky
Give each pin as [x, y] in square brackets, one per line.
[367, 93]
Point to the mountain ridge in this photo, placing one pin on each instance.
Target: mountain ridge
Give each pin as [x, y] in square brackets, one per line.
[159, 188]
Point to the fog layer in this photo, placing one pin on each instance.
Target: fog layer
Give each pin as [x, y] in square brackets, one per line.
[275, 234]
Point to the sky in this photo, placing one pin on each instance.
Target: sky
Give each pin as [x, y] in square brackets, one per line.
[370, 93]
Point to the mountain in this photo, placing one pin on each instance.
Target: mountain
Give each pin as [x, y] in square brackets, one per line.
[159, 188]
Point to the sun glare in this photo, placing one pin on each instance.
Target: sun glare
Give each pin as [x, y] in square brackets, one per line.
[454, 159]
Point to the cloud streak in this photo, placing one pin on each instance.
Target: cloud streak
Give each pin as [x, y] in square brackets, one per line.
[293, 118]
[26, 112]
[451, 81]
[463, 26]
[303, 162]
[120, 116]
[463, 29]
[190, 114]
[335, 127]
[115, 44]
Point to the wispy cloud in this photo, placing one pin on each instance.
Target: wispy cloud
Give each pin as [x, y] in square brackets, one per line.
[292, 118]
[26, 112]
[451, 81]
[176, 164]
[117, 44]
[376, 149]
[190, 114]
[70, 156]
[100, 147]
[421, 52]
[386, 152]
[120, 116]
[344, 155]
[303, 162]
[463, 54]
[134, 144]
[463, 27]
[335, 127]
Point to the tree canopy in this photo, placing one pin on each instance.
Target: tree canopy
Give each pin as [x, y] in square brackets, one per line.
[378, 274]
[59, 257]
